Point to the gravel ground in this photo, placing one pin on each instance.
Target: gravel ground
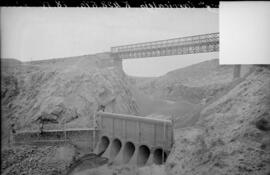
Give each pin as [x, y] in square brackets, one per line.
[30, 160]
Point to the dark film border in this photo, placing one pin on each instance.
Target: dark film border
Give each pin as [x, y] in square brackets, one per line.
[112, 3]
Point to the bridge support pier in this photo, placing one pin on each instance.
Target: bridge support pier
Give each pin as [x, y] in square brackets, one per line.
[237, 71]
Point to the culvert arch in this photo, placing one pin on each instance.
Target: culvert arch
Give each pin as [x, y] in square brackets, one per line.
[159, 156]
[103, 145]
[143, 155]
[115, 148]
[128, 152]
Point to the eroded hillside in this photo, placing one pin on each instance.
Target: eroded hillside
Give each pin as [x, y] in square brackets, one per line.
[232, 135]
[66, 91]
[198, 84]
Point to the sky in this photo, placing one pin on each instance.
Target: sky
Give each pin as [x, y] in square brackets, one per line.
[43, 33]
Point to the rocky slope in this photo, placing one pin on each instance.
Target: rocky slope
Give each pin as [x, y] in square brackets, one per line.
[63, 90]
[232, 135]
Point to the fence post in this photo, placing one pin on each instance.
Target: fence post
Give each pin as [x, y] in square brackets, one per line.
[172, 135]
[138, 128]
[164, 140]
[94, 131]
[65, 133]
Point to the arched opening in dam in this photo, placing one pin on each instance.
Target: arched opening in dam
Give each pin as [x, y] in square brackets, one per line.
[159, 156]
[104, 143]
[128, 151]
[143, 155]
[115, 148]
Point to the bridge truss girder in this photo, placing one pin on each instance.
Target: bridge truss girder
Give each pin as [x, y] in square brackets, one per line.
[168, 51]
[179, 46]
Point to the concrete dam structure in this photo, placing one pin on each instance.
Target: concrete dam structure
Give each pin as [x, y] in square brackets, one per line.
[124, 139]
[133, 139]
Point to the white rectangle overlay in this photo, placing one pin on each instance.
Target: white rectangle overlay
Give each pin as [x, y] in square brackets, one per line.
[244, 32]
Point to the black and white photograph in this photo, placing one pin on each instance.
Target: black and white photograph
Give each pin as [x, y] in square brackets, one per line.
[133, 91]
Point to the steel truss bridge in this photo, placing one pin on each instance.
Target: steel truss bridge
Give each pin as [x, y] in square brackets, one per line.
[177, 46]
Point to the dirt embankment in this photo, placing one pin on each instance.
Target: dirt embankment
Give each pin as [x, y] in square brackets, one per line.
[232, 135]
